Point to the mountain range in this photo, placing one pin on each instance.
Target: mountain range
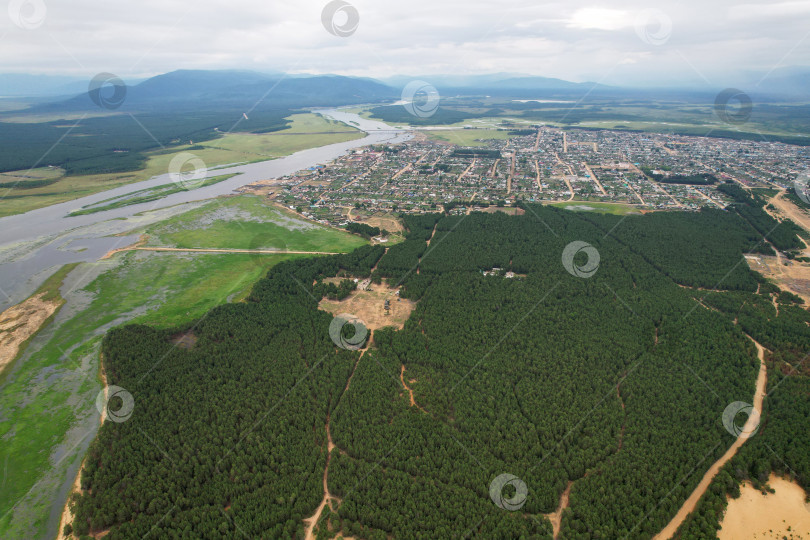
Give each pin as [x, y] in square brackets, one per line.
[190, 89]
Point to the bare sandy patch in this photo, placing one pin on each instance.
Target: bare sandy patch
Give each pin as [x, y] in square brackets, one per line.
[786, 207]
[390, 224]
[369, 306]
[19, 323]
[782, 514]
[791, 276]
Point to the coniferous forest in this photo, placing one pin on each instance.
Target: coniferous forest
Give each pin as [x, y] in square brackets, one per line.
[605, 370]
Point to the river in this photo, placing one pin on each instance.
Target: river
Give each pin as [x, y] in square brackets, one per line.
[34, 244]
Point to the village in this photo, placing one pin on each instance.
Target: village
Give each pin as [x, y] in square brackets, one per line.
[635, 171]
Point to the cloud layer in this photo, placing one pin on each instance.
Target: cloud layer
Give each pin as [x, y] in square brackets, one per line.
[623, 42]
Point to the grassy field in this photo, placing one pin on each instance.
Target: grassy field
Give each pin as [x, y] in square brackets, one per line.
[601, 207]
[48, 400]
[307, 130]
[467, 137]
[246, 222]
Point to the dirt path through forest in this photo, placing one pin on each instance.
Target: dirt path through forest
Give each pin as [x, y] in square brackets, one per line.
[690, 504]
[405, 385]
[312, 521]
[327, 497]
[556, 517]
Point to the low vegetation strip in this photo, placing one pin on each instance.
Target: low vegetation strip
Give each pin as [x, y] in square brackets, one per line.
[148, 195]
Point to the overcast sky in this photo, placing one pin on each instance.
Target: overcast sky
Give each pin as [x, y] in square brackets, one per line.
[614, 42]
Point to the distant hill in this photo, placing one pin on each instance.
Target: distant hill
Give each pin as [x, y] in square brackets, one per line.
[25, 85]
[507, 85]
[241, 90]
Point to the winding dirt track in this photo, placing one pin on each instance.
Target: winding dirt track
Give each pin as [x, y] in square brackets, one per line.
[556, 517]
[312, 521]
[327, 497]
[690, 504]
[405, 385]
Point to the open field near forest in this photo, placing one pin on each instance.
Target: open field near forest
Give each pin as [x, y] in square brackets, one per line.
[467, 137]
[600, 207]
[306, 130]
[246, 222]
[768, 120]
[48, 421]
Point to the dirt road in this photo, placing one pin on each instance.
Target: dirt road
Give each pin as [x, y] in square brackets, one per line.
[537, 172]
[750, 424]
[556, 517]
[594, 178]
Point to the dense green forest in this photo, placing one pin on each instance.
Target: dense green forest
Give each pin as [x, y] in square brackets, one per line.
[615, 383]
[116, 143]
[363, 229]
[782, 442]
[689, 179]
[782, 234]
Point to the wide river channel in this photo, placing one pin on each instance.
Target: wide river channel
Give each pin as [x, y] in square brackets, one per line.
[33, 245]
